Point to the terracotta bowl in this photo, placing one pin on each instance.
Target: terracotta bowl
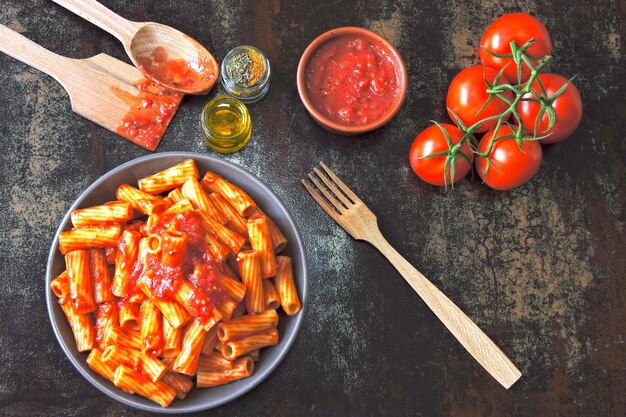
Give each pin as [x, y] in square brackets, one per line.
[376, 40]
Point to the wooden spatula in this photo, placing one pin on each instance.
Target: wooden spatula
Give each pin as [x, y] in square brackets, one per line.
[105, 90]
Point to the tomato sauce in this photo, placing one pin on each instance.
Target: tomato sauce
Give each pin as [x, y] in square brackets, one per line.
[164, 280]
[111, 254]
[79, 303]
[197, 267]
[136, 364]
[206, 279]
[103, 319]
[351, 81]
[99, 277]
[149, 115]
[188, 222]
[153, 344]
[122, 256]
[176, 72]
[130, 288]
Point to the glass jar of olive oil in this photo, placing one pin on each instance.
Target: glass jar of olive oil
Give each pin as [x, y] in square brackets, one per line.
[225, 124]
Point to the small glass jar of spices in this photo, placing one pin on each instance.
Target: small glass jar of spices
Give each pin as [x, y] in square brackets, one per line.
[245, 73]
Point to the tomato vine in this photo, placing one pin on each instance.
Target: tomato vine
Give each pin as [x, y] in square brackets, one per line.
[521, 91]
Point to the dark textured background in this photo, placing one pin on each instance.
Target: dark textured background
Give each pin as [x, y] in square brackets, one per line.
[539, 268]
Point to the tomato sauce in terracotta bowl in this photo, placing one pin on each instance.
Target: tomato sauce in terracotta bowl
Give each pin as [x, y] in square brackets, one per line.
[351, 80]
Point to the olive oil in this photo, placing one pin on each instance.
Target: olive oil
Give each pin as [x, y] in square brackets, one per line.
[226, 124]
[226, 121]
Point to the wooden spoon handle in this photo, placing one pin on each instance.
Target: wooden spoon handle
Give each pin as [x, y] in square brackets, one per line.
[30, 53]
[477, 343]
[104, 18]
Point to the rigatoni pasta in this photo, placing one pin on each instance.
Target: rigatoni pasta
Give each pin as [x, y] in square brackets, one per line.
[225, 235]
[174, 247]
[260, 240]
[176, 293]
[227, 309]
[175, 196]
[125, 260]
[179, 383]
[179, 206]
[279, 241]
[123, 336]
[129, 314]
[140, 200]
[210, 341]
[187, 360]
[250, 267]
[112, 212]
[61, 284]
[106, 317]
[169, 178]
[242, 368]
[95, 362]
[173, 312]
[151, 367]
[214, 361]
[98, 236]
[132, 381]
[236, 348]
[81, 287]
[200, 200]
[151, 329]
[272, 300]
[286, 286]
[80, 324]
[100, 276]
[235, 195]
[235, 221]
[247, 325]
[219, 251]
[172, 339]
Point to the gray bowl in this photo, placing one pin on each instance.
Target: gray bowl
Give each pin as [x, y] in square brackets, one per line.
[103, 190]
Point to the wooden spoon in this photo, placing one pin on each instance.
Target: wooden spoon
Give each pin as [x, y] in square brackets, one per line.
[164, 54]
[102, 89]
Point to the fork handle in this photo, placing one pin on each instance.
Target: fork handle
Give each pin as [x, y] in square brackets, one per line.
[477, 343]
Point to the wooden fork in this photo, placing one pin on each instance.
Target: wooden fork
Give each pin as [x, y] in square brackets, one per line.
[359, 221]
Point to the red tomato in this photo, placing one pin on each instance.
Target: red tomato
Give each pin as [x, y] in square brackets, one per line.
[468, 93]
[430, 141]
[510, 167]
[568, 108]
[518, 27]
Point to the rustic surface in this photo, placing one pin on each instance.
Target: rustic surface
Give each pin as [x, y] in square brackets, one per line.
[540, 268]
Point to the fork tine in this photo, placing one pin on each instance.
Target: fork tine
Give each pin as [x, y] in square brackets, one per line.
[333, 188]
[332, 213]
[328, 195]
[341, 185]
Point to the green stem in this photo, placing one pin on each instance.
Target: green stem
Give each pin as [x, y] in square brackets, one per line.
[496, 91]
